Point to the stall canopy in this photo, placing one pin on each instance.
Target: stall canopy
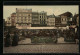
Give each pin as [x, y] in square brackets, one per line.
[38, 28]
[41, 28]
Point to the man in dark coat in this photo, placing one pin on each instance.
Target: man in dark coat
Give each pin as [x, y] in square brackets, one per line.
[7, 40]
[15, 39]
[76, 37]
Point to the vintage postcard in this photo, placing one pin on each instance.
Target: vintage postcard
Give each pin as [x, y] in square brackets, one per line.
[41, 29]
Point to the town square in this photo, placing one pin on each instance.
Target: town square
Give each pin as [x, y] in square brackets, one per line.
[41, 29]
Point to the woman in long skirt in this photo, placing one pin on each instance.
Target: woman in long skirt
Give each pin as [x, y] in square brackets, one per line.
[7, 40]
[15, 39]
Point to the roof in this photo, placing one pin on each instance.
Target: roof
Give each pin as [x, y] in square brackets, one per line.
[13, 13]
[51, 16]
[76, 15]
[68, 14]
[8, 17]
[57, 17]
[42, 12]
[34, 12]
[23, 9]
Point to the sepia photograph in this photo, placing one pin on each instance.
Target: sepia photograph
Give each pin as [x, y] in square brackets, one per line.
[40, 29]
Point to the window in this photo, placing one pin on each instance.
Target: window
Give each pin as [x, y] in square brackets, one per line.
[62, 19]
[29, 15]
[40, 19]
[44, 19]
[40, 16]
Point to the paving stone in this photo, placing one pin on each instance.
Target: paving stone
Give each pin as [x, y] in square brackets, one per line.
[55, 48]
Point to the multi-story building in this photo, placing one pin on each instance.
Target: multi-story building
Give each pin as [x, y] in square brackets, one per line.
[65, 17]
[13, 19]
[27, 18]
[57, 21]
[24, 17]
[51, 20]
[43, 18]
[35, 19]
[8, 21]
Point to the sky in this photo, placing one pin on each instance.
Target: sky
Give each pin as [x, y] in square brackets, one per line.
[52, 9]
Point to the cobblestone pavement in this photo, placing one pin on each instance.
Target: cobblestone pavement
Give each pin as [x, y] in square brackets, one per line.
[54, 48]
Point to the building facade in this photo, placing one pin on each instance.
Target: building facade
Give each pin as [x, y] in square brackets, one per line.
[51, 20]
[24, 17]
[35, 19]
[8, 21]
[27, 18]
[65, 18]
[43, 18]
[57, 21]
[13, 19]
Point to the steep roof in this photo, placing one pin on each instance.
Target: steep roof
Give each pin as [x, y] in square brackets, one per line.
[34, 12]
[68, 14]
[13, 13]
[51, 16]
[57, 17]
[42, 12]
[76, 15]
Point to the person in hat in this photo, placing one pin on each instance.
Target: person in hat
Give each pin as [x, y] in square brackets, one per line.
[7, 40]
[15, 39]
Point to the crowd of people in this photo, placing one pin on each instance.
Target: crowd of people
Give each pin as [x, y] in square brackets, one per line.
[50, 33]
[70, 34]
[12, 40]
[38, 33]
